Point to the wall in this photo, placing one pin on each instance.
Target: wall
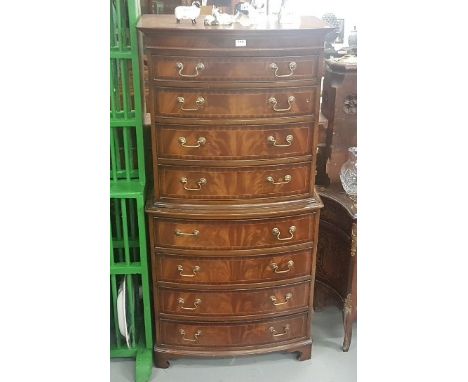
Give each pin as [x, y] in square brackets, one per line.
[342, 9]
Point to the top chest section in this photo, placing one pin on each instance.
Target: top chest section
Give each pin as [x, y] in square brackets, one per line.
[235, 57]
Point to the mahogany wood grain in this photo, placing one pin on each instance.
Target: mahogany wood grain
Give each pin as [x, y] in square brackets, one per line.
[246, 103]
[234, 226]
[244, 121]
[159, 35]
[235, 142]
[225, 336]
[261, 44]
[223, 69]
[232, 183]
[229, 235]
[231, 270]
[231, 211]
[235, 304]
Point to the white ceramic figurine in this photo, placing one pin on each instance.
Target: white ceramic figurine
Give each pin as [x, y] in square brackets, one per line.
[250, 13]
[218, 18]
[188, 13]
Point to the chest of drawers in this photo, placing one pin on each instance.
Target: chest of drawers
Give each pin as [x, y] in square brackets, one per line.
[234, 213]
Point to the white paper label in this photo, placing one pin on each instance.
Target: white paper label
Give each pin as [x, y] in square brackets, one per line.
[241, 43]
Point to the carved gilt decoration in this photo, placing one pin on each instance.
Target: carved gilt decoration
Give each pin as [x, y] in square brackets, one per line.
[354, 240]
[350, 104]
[348, 304]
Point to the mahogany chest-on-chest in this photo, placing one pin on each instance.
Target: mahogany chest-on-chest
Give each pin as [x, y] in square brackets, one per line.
[234, 214]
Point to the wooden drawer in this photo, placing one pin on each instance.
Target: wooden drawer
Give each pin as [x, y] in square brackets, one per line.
[161, 33]
[232, 335]
[251, 302]
[234, 68]
[234, 183]
[234, 234]
[230, 270]
[245, 142]
[206, 103]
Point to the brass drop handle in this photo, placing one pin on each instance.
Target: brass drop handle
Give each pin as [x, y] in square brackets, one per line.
[195, 269]
[200, 102]
[292, 68]
[274, 102]
[199, 67]
[273, 331]
[286, 299]
[275, 267]
[195, 336]
[272, 140]
[195, 232]
[200, 142]
[276, 232]
[181, 302]
[200, 182]
[287, 179]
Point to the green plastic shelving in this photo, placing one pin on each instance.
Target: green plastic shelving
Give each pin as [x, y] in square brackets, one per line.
[129, 276]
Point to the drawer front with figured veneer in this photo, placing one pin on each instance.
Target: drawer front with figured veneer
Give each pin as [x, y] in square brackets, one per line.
[234, 183]
[246, 103]
[246, 142]
[231, 270]
[222, 335]
[235, 234]
[223, 69]
[252, 302]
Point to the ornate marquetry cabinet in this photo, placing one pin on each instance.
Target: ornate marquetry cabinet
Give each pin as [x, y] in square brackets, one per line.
[337, 256]
[234, 215]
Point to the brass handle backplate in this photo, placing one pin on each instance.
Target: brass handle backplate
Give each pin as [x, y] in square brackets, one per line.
[181, 303]
[275, 267]
[195, 232]
[276, 232]
[274, 102]
[272, 140]
[286, 179]
[200, 66]
[292, 67]
[195, 269]
[200, 182]
[199, 102]
[200, 142]
[273, 331]
[286, 299]
[195, 336]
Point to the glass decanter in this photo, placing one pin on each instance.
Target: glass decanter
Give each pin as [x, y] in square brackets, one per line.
[348, 174]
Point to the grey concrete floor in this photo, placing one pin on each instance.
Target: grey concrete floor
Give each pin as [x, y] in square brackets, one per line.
[328, 362]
